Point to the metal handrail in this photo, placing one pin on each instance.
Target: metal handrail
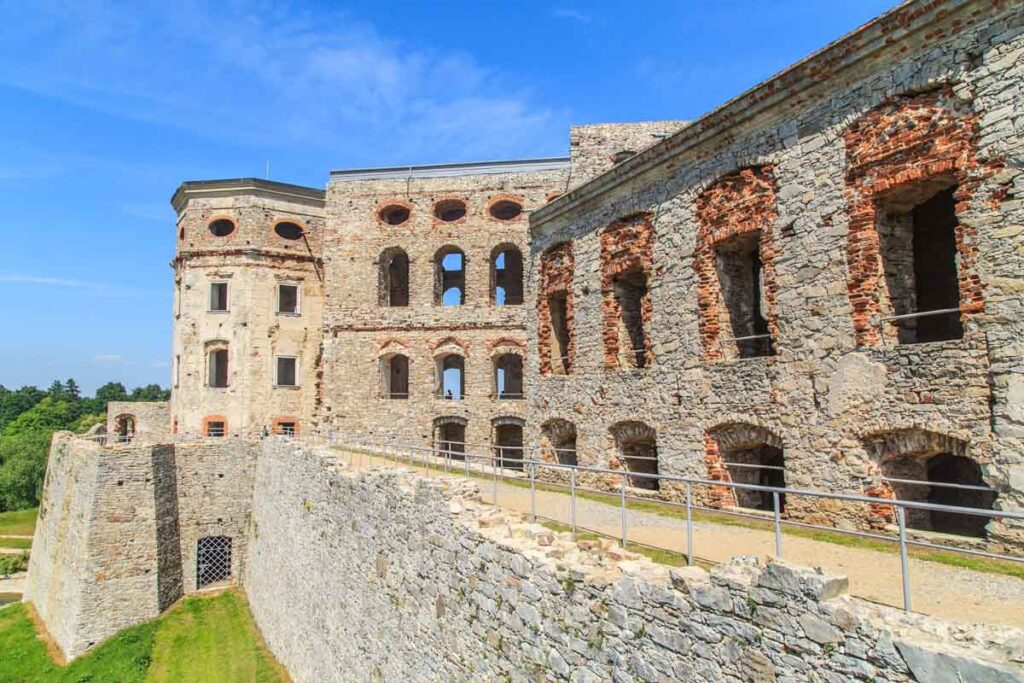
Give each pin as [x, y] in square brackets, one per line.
[918, 314]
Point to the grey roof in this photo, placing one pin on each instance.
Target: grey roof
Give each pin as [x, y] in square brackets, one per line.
[451, 170]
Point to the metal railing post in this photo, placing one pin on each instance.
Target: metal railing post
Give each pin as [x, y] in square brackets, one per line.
[622, 496]
[778, 525]
[494, 484]
[689, 525]
[533, 490]
[572, 501]
[904, 562]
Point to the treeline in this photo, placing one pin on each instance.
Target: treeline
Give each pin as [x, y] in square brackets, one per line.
[28, 418]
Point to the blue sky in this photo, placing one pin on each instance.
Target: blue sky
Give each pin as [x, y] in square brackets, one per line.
[107, 107]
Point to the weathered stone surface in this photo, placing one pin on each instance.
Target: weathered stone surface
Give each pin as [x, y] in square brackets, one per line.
[936, 665]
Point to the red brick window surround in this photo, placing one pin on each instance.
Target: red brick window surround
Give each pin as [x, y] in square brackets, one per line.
[904, 152]
[735, 248]
[556, 332]
[627, 264]
[215, 425]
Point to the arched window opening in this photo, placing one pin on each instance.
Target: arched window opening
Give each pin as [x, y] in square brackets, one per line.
[761, 465]
[508, 376]
[449, 277]
[394, 214]
[394, 278]
[917, 240]
[222, 227]
[450, 210]
[288, 230]
[395, 376]
[637, 446]
[507, 276]
[741, 280]
[508, 444]
[217, 368]
[559, 441]
[124, 428]
[506, 210]
[630, 291]
[936, 478]
[450, 437]
[213, 560]
[451, 377]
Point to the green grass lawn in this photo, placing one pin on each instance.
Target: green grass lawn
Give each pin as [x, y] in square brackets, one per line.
[199, 639]
[19, 522]
[16, 543]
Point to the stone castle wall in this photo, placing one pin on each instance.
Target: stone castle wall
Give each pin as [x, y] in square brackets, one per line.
[150, 420]
[116, 539]
[387, 576]
[853, 134]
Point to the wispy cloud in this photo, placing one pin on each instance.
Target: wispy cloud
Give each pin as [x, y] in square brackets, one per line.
[570, 13]
[112, 359]
[273, 75]
[160, 364]
[47, 281]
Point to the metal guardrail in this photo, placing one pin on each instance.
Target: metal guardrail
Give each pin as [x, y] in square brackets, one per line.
[490, 465]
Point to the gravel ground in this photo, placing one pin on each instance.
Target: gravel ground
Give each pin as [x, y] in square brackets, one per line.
[939, 590]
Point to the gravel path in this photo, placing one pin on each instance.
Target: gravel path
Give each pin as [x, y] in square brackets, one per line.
[939, 590]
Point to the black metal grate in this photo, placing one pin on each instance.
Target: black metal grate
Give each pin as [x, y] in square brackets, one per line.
[213, 560]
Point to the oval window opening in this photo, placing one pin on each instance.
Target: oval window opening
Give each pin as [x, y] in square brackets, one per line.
[289, 230]
[221, 227]
[506, 210]
[450, 210]
[394, 214]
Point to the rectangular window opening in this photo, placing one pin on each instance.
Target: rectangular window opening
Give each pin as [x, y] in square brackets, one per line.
[558, 306]
[741, 279]
[630, 290]
[288, 299]
[215, 428]
[287, 371]
[218, 296]
[218, 371]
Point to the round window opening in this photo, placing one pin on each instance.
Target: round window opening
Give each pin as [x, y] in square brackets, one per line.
[450, 210]
[506, 210]
[221, 227]
[289, 230]
[394, 214]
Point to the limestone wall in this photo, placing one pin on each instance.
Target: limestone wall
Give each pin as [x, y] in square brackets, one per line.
[151, 419]
[118, 528]
[387, 576]
[809, 160]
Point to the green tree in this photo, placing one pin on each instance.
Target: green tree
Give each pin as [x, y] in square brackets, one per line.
[150, 392]
[14, 403]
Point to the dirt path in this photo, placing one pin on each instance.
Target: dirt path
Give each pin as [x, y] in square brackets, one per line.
[940, 590]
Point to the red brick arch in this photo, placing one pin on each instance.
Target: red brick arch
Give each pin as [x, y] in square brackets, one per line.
[907, 141]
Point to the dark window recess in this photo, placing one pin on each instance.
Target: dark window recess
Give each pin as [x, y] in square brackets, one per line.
[508, 376]
[289, 230]
[450, 210]
[935, 469]
[761, 465]
[221, 227]
[506, 210]
[218, 296]
[285, 428]
[396, 276]
[741, 278]
[218, 370]
[640, 457]
[630, 289]
[451, 440]
[394, 214]
[287, 298]
[918, 244]
[508, 446]
[286, 371]
[215, 428]
[558, 306]
[396, 377]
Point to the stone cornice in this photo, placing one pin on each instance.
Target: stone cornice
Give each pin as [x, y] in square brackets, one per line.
[452, 170]
[246, 186]
[805, 80]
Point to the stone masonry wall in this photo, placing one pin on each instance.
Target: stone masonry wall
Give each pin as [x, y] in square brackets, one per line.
[118, 526]
[385, 576]
[939, 99]
[152, 419]
[596, 147]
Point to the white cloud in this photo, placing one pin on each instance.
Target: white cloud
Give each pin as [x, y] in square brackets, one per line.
[111, 358]
[160, 364]
[47, 281]
[570, 13]
[273, 75]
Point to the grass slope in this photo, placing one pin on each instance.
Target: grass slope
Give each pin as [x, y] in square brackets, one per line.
[200, 639]
[18, 522]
